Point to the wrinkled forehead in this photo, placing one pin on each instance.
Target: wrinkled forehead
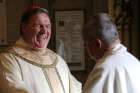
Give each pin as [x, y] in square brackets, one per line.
[27, 15]
[41, 14]
[40, 17]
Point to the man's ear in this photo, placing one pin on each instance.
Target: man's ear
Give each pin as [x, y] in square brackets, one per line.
[98, 43]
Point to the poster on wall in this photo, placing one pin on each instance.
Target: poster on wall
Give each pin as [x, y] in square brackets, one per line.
[69, 41]
[3, 23]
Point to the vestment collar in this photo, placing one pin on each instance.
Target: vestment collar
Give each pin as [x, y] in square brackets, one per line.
[116, 49]
[42, 57]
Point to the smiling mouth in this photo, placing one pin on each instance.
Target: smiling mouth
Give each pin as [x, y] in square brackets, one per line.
[41, 39]
[41, 36]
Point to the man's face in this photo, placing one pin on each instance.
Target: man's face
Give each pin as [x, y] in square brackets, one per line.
[90, 43]
[95, 49]
[91, 49]
[37, 31]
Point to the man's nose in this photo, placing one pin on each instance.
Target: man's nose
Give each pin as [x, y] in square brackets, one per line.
[43, 29]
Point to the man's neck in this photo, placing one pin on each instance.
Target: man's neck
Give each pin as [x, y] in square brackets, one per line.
[113, 44]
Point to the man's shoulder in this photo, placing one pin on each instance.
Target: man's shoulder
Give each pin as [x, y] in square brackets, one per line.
[6, 52]
[51, 52]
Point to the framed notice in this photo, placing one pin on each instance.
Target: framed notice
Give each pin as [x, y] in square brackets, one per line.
[69, 41]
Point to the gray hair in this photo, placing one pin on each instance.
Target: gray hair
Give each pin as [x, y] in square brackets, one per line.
[101, 26]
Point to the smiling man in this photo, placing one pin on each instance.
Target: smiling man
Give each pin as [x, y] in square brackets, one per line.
[37, 30]
[29, 66]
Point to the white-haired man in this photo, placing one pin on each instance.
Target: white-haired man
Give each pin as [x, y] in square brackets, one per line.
[116, 70]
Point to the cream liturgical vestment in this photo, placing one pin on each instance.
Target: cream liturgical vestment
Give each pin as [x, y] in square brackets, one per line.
[25, 70]
[117, 72]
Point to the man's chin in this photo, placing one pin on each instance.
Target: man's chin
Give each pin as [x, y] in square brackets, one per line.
[92, 57]
[40, 46]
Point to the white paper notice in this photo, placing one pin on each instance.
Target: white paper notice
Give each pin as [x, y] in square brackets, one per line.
[69, 25]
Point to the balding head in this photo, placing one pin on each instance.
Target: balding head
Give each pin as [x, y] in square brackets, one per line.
[100, 35]
[101, 26]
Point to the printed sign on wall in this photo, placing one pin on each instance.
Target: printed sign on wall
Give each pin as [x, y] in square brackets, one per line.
[69, 39]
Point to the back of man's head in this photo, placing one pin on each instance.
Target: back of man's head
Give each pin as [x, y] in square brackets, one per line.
[101, 26]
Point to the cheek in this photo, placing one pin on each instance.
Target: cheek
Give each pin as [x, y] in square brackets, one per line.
[29, 31]
[92, 51]
[89, 50]
[49, 33]
[31, 34]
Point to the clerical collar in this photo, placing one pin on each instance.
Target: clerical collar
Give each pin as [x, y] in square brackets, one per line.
[116, 48]
[43, 58]
[21, 42]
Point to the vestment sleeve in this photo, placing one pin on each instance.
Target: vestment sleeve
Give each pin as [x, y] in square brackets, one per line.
[75, 86]
[93, 83]
[10, 75]
[110, 80]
